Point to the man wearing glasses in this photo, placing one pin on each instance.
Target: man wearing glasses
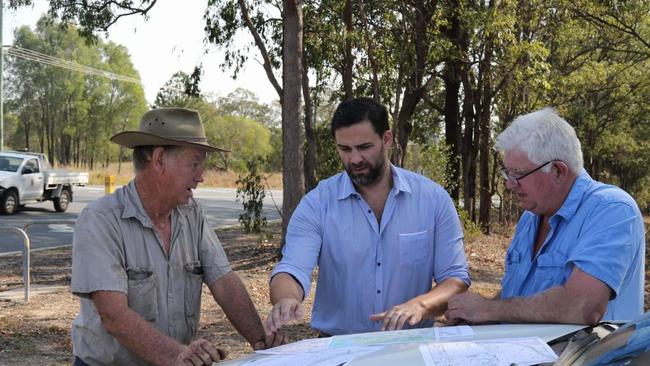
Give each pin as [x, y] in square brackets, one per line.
[578, 252]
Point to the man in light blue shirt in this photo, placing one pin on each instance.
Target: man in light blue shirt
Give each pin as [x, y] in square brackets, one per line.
[379, 235]
[578, 252]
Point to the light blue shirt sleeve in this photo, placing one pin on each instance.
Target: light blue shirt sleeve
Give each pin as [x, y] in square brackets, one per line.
[449, 256]
[304, 233]
[610, 231]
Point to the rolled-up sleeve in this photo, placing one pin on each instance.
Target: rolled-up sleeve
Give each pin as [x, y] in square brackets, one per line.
[449, 254]
[611, 231]
[213, 257]
[303, 242]
[97, 255]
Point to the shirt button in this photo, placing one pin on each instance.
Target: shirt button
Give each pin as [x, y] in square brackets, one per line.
[378, 264]
[368, 211]
[378, 291]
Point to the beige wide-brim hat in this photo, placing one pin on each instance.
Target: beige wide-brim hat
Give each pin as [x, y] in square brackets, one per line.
[168, 126]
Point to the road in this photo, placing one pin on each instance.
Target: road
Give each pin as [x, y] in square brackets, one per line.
[219, 205]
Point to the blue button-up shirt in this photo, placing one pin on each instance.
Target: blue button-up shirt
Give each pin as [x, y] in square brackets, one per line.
[366, 267]
[599, 229]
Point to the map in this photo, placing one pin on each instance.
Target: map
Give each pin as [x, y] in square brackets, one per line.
[401, 336]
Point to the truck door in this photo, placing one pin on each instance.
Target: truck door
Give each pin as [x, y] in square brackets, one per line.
[32, 180]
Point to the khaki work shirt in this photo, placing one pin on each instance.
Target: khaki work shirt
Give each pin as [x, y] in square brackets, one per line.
[116, 248]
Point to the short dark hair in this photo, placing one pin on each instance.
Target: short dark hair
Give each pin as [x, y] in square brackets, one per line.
[142, 155]
[357, 110]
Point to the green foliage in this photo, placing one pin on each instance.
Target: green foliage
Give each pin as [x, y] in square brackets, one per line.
[67, 114]
[429, 160]
[175, 91]
[471, 229]
[274, 159]
[329, 162]
[244, 103]
[251, 192]
[246, 139]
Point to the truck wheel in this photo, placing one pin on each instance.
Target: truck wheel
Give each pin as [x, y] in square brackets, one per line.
[61, 203]
[9, 203]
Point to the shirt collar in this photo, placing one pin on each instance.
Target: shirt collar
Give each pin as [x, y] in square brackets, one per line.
[573, 199]
[346, 187]
[133, 206]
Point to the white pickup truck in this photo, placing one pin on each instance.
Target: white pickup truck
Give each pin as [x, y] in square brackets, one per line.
[27, 177]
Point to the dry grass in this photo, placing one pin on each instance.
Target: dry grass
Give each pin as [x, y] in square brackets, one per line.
[38, 333]
[212, 178]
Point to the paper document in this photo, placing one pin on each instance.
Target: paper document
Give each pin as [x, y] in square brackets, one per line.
[327, 357]
[402, 336]
[453, 333]
[304, 346]
[496, 352]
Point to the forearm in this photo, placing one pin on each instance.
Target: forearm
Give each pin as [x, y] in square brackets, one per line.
[284, 286]
[230, 293]
[555, 305]
[133, 332]
[435, 301]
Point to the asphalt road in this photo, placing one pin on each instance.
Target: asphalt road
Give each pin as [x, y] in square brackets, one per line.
[46, 230]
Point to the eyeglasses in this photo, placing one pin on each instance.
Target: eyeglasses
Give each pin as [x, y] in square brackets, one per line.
[514, 181]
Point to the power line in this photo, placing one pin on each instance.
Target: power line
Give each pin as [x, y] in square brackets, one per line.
[42, 58]
[45, 59]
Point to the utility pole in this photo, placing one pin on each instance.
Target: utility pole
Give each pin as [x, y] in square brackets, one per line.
[2, 113]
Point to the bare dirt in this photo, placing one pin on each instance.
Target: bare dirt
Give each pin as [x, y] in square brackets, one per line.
[38, 333]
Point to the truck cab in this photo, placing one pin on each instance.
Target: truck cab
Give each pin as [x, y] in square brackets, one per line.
[27, 177]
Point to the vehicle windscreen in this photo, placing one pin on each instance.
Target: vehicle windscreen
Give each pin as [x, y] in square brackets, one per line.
[9, 163]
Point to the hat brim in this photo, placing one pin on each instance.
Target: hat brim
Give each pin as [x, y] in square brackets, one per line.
[133, 139]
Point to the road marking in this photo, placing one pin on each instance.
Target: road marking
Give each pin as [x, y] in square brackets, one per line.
[61, 228]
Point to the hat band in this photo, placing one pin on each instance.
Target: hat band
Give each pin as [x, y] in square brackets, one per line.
[187, 138]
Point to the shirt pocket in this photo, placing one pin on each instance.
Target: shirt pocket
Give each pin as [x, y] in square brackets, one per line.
[512, 279]
[513, 258]
[193, 285]
[143, 295]
[414, 247]
[550, 269]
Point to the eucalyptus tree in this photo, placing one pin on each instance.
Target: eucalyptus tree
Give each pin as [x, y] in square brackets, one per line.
[64, 111]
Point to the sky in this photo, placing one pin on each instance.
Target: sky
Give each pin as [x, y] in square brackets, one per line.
[171, 40]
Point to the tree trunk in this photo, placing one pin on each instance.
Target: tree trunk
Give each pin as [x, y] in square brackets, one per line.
[311, 157]
[469, 149]
[293, 179]
[348, 58]
[452, 128]
[416, 86]
[372, 60]
[485, 70]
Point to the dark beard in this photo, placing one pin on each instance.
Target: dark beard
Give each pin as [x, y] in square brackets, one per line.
[374, 172]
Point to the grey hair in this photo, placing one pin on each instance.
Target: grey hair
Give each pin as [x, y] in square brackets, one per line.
[142, 155]
[543, 136]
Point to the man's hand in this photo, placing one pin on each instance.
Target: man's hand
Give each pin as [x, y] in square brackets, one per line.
[395, 318]
[277, 338]
[283, 312]
[468, 307]
[198, 353]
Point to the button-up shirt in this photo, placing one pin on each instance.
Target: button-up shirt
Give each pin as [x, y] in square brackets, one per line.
[366, 266]
[598, 229]
[116, 248]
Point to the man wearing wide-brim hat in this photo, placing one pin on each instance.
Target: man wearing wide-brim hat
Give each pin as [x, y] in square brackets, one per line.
[141, 255]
